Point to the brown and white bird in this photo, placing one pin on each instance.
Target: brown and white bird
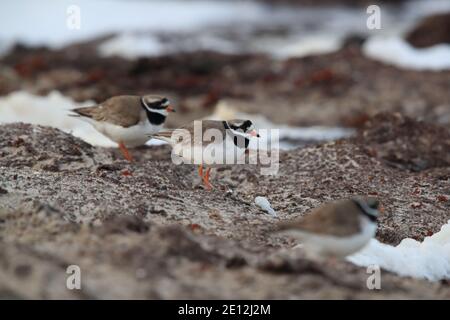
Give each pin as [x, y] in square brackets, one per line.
[336, 229]
[127, 120]
[209, 143]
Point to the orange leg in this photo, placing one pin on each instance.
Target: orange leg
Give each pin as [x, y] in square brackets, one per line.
[125, 152]
[200, 171]
[206, 180]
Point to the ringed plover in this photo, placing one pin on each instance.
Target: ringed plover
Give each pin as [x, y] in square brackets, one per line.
[210, 143]
[127, 120]
[336, 229]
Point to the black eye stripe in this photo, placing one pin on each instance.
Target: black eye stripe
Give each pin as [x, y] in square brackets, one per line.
[156, 105]
[246, 125]
[242, 127]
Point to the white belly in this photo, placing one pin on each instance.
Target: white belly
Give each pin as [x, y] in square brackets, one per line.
[211, 155]
[331, 246]
[132, 136]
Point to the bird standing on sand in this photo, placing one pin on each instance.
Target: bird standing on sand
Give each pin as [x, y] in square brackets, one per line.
[127, 120]
[336, 229]
[227, 143]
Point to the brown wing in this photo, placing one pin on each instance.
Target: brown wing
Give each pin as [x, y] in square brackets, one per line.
[188, 129]
[124, 111]
[339, 219]
[206, 124]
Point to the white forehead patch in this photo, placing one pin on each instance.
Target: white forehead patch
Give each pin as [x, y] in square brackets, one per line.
[148, 101]
[239, 133]
[235, 123]
[160, 111]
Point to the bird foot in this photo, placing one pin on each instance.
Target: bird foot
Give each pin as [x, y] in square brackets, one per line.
[125, 152]
[205, 177]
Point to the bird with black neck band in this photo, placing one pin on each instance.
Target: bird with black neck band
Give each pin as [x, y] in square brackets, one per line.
[127, 120]
[225, 141]
[336, 229]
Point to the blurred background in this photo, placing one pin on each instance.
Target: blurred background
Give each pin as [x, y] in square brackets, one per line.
[313, 68]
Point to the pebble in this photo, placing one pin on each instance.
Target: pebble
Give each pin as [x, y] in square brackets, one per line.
[264, 204]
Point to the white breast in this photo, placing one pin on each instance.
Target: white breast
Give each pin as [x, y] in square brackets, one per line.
[132, 136]
[330, 246]
[211, 155]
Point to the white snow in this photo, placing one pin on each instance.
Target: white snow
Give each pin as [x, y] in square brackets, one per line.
[396, 51]
[265, 205]
[134, 45]
[52, 110]
[308, 45]
[131, 46]
[429, 259]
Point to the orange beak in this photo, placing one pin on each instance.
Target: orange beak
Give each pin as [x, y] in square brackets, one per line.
[253, 133]
[170, 109]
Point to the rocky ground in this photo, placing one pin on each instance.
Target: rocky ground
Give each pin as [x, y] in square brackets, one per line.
[149, 230]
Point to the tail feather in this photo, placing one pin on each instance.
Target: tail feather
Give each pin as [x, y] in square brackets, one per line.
[285, 226]
[82, 112]
[164, 136]
[173, 136]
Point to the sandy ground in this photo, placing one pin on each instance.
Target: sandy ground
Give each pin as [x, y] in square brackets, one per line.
[149, 230]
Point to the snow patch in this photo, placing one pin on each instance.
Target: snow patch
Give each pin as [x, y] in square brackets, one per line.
[131, 46]
[308, 45]
[429, 259]
[52, 110]
[135, 45]
[396, 51]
